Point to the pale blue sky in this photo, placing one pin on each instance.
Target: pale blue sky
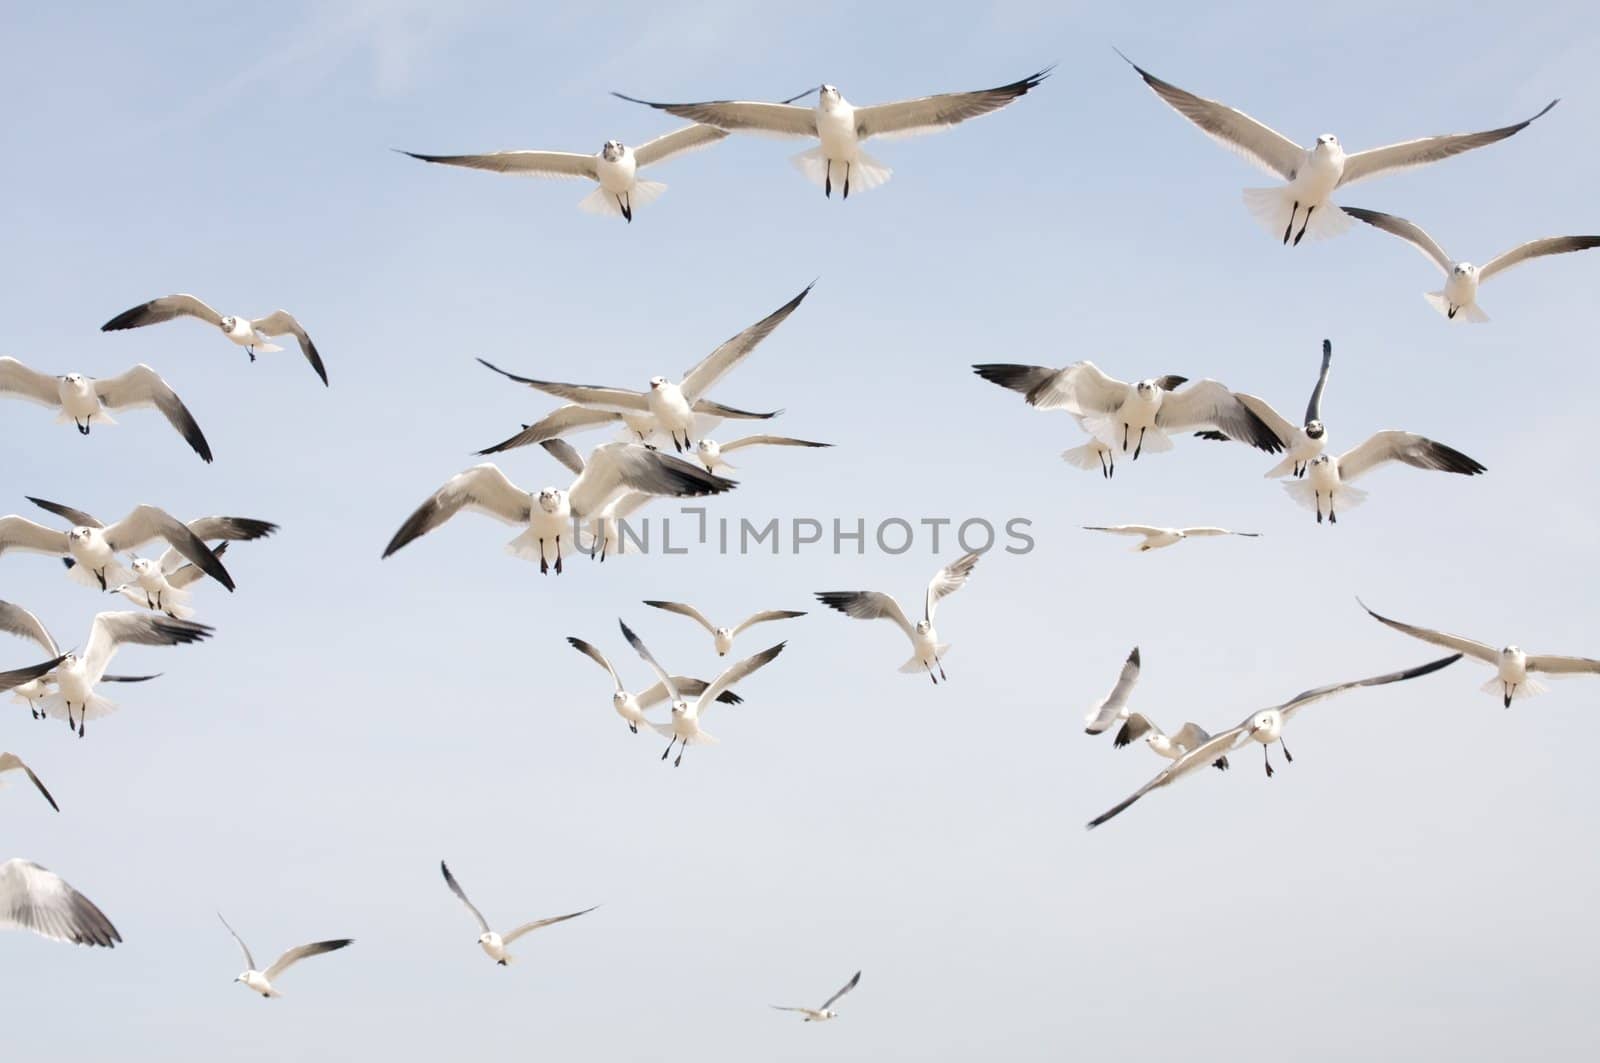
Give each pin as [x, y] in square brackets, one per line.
[1418, 883]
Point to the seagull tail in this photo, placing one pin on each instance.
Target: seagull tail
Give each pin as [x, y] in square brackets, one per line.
[1272, 207]
[115, 574]
[1086, 457]
[1525, 689]
[603, 202]
[1283, 468]
[865, 173]
[54, 705]
[600, 202]
[1471, 312]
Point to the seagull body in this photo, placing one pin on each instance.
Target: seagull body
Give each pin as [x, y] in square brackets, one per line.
[826, 1012]
[1301, 444]
[1513, 666]
[12, 762]
[615, 167]
[1134, 416]
[927, 651]
[253, 336]
[1326, 486]
[86, 401]
[16, 620]
[261, 981]
[493, 944]
[1264, 727]
[154, 587]
[32, 898]
[841, 127]
[632, 707]
[1188, 737]
[1155, 538]
[1459, 296]
[1114, 706]
[93, 547]
[76, 677]
[722, 637]
[710, 452]
[684, 727]
[1311, 175]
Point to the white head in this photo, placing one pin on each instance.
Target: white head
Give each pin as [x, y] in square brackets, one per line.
[1463, 269]
[142, 566]
[923, 627]
[489, 937]
[656, 382]
[75, 379]
[1268, 722]
[1146, 388]
[550, 499]
[228, 323]
[829, 95]
[1320, 459]
[619, 698]
[680, 708]
[1315, 430]
[1327, 142]
[245, 977]
[611, 151]
[1512, 651]
[707, 448]
[80, 534]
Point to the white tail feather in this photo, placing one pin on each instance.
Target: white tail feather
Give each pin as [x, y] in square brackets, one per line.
[864, 173]
[1525, 689]
[1272, 206]
[54, 705]
[1086, 457]
[115, 574]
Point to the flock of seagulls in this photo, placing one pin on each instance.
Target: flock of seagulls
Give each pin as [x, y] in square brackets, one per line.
[665, 449]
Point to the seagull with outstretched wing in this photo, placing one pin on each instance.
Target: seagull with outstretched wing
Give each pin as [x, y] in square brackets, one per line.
[253, 335]
[87, 401]
[825, 1012]
[261, 981]
[722, 637]
[37, 900]
[927, 651]
[495, 945]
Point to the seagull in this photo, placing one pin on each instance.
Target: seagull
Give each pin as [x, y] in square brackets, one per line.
[1091, 455]
[632, 707]
[672, 406]
[1328, 476]
[684, 727]
[710, 452]
[549, 514]
[156, 588]
[723, 637]
[1137, 725]
[16, 620]
[1303, 443]
[842, 128]
[12, 762]
[1155, 538]
[927, 650]
[261, 981]
[1114, 706]
[826, 1012]
[76, 676]
[32, 898]
[1112, 410]
[93, 547]
[615, 167]
[1312, 175]
[1265, 727]
[150, 576]
[251, 335]
[86, 401]
[1512, 665]
[489, 941]
[565, 420]
[1461, 279]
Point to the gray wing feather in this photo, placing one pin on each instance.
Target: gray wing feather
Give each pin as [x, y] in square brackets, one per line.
[141, 386]
[18, 379]
[17, 621]
[714, 366]
[165, 308]
[455, 887]
[32, 898]
[1424, 150]
[924, 115]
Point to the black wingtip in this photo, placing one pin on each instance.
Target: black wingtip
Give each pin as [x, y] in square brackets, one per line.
[635, 99]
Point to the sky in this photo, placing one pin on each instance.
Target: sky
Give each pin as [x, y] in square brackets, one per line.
[1417, 883]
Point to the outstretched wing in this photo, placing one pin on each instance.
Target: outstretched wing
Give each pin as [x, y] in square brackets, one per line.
[1408, 448]
[20, 533]
[1364, 164]
[565, 453]
[163, 309]
[616, 466]
[111, 630]
[17, 676]
[643, 651]
[32, 898]
[685, 610]
[947, 581]
[149, 522]
[522, 163]
[1410, 232]
[929, 113]
[597, 657]
[249, 960]
[771, 119]
[1187, 764]
[282, 323]
[1104, 714]
[1301, 700]
[733, 675]
[1550, 245]
[12, 762]
[16, 620]
[455, 887]
[569, 418]
[855, 979]
[528, 928]
[483, 488]
[1209, 404]
[867, 605]
[664, 147]
[295, 955]
[1314, 407]
[25, 383]
[78, 517]
[766, 615]
[714, 366]
[1479, 650]
[1134, 728]
[769, 441]
[141, 386]
[1552, 664]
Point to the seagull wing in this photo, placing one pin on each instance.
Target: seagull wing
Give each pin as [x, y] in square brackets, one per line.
[1301, 700]
[867, 605]
[734, 674]
[643, 651]
[731, 413]
[111, 630]
[482, 488]
[17, 379]
[187, 575]
[18, 676]
[1191, 736]
[20, 533]
[1206, 531]
[664, 147]
[1125, 529]
[78, 517]
[714, 366]
[1550, 245]
[164, 309]
[32, 898]
[1314, 407]
[140, 386]
[763, 617]
[769, 441]
[685, 610]
[249, 960]
[12, 762]
[597, 396]
[569, 418]
[1547, 663]
[295, 955]
[1234, 130]
[565, 453]
[522, 163]
[598, 658]
[1480, 651]
[16, 620]
[1364, 164]
[1276, 422]
[1135, 727]
[1409, 448]
[528, 928]
[1106, 713]
[148, 522]
[1410, 232]
[1041, 385]
[233, 529]
[855, 979]
[282, 323]
[769, 119]
[947, 581]
[455, 887]
[615, 466]
[1187, 764]
[1208, 404]
[689, 687]
[930, 113]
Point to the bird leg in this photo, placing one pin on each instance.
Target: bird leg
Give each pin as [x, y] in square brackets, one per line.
[1318, 499]
[1333, 518]
[251, 351]
[626, 206]
[81, 719]
[1303, 225]
[1511, 689]
[100, 574]
[544, 566]
[1104, 470]
[827, 178]
[1124, 437]
[940, 663]
[1266, 759]
[846, 180]
[633, 728]
[558, 555]
[681, 747]
[1287, 756]
[83, 429]
[1450, 314]
[1140, 447]
[1287, 229]
[668, 752]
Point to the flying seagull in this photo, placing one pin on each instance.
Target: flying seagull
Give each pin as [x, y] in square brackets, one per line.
[1114, 706]
[1265, 727]
[261, 981]
[632, 707]
[93, 547]
[76, 676]
[1092, 455]
[1314, 174]
[86, 401]
[710, 452]
[251, 335]
[32, 898]
[548, 515]
[927, 650]
[15, 620]
[489, 941]
[615, 168]
[1155, 538]
[1327, 483]
[722, 637]
[154, 587]
[1512, 666]
[672, 406]
[1302, 443]
[1136, 725]
[150, 576]
[1459, 296]
[1138, 415]
[826, 1012]
[842, 128]
[12, 762]
[684, 727]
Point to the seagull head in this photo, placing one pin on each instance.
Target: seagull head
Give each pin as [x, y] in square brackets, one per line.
[619, 698]
[1327, 142]
[228, 322]
[1511, 651]
[1316, 429]
[611, 151]
[829, 94]
[550, 499]
[1320, 459]
[1268, 723]
[923, 627]
[75, 379]
[80, 534]
[656, 382]
[489, 937]
[680, 708]
[1463, 269]
[68, 660]
[141, 566]
[1146, 388]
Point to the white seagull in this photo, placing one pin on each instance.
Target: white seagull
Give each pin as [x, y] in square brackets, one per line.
[710, 452]
[1301, 444]
[1091, 455]
[32, 898]
[722, 637]
[493, 944]
[1155, 538]
[1314, 174]
[86, 401]
[251, 335]
[1136, 725]
[927, 650]
[1459, 296]
[1328, 476]
[548, 516]
[1114, 706]
[1137, 415]
[261, 981]
[672, 406]
[826, 1012]
[93, 547]
[615, 167]
[842, 128]
[1512, 665]
[16, 620]
[684, 727]
[632, 707]
[12, 762]
[76, 676]
[1265, 727]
